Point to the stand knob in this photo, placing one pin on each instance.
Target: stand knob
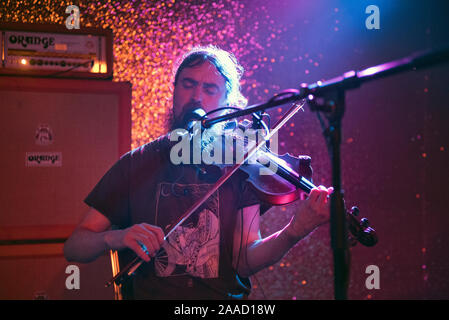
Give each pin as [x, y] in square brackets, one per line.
[364, 222]
[355, 211]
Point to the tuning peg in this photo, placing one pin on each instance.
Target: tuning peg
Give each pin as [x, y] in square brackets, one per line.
[364, 222]
[355, 211]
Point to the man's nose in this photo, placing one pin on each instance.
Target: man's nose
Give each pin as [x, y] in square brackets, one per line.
[197, 94]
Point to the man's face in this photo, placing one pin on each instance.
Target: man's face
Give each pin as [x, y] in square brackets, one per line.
[201, 86]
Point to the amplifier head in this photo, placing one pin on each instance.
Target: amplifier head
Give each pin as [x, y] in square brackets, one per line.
[55, 51]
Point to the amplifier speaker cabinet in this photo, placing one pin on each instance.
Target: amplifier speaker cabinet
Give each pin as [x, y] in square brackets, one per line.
[58, 138]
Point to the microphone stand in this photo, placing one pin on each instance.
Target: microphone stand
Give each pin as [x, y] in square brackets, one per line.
[328, 97]
[349, 80]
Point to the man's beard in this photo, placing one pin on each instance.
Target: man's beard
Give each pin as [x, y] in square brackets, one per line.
[180, 121]
[210, 138]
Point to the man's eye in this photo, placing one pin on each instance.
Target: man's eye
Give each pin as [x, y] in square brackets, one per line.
[211, 90]
[188, 84]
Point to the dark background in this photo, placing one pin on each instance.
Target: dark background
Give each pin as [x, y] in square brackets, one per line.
[395, 136]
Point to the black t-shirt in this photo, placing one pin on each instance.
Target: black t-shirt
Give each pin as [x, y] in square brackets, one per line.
[196, 260]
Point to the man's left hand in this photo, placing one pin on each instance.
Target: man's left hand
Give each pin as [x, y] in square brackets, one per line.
[312, 213]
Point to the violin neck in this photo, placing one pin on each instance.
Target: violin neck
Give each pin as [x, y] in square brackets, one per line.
[302, 183]
[295, 178]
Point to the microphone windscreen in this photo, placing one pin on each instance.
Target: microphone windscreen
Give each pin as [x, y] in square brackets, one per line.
[191, 117]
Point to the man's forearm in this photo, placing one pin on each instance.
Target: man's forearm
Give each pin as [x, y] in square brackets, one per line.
[86, 246]
[265, 252]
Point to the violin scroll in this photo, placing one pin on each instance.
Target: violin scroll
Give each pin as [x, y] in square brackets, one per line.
[360, 229]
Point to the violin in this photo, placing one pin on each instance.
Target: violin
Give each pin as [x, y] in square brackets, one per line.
[286, 185]
[291, 177]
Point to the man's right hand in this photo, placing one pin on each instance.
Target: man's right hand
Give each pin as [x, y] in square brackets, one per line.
[152, 237]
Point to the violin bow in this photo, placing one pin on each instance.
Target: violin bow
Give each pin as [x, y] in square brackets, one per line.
[129, 269]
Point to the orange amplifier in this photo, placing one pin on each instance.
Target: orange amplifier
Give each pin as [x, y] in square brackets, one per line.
[55, 51]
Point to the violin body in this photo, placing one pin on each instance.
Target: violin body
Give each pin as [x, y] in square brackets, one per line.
[273, 189]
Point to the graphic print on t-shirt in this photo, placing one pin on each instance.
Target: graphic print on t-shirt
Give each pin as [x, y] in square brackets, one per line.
[193, 248]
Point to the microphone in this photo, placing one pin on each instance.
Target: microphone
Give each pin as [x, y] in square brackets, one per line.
[192, 117]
